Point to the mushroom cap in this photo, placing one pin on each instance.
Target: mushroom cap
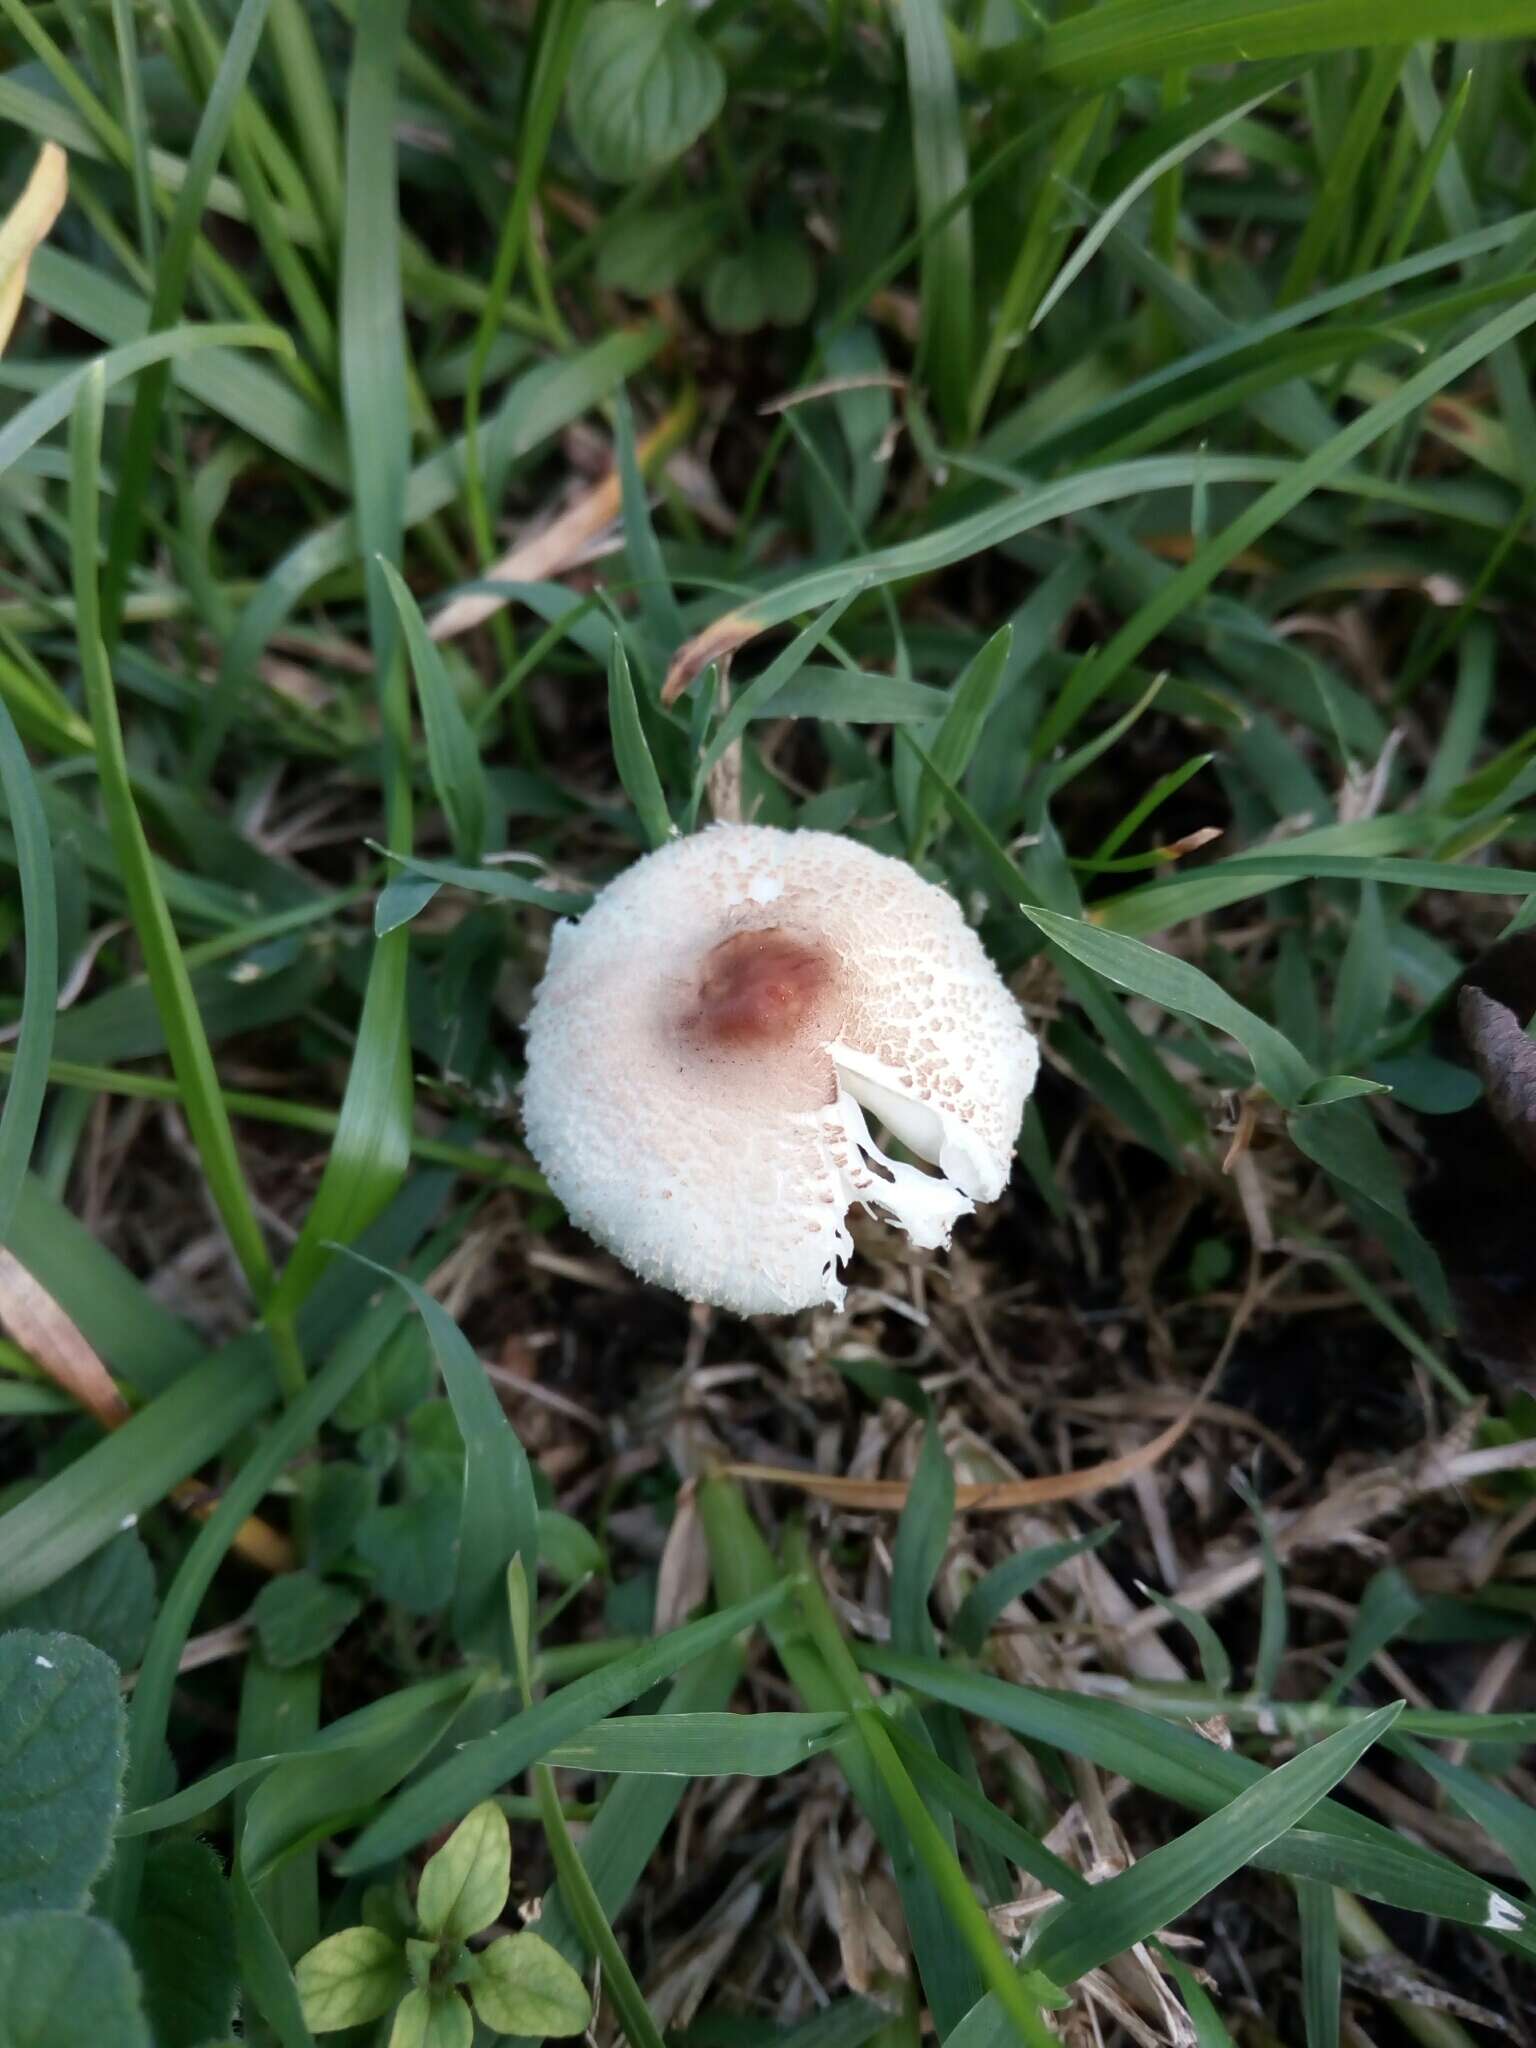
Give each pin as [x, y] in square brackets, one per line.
[705, 1042]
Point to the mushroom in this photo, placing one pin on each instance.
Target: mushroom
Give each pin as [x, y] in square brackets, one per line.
[706, 1042]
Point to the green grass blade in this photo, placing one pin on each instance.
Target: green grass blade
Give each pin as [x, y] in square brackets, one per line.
[73, 1513]
[499, 1518]
[1178, 136]
[1319, 468]
[1508, 1820]
[631, 751]
[653, 589]
[970, 704]
[940, 158]
[452, 754]
[137, 459]
[1012, 1580]
[372, 1146]
[586, 1911]
[1178, 985]
[1172, 1879]
[26, 427]
[186, 1040]
[448, 1791]
[1321, 1964]
[1119, 38]
[1344, 168]
[241, 1497]
[28, 1082]
[762, 1745]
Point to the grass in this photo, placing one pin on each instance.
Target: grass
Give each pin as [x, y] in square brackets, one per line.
[1086, 451]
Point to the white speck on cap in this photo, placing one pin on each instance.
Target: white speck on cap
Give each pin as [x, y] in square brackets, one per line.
[42, 1663]
[706, 1040]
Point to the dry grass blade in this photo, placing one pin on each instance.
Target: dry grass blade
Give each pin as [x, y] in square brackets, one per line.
[717, 642]
[995, 1497]
[53, 1343]
[540, 556]
[26, 226]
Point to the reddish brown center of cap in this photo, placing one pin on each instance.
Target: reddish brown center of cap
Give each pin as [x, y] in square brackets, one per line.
[757, 988]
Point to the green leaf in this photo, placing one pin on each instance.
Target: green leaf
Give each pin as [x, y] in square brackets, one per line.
[631, 754]
[107, 1599]
[61, 1766]
[523, 1986]
[464, 1885]
[452, 755]
[1141, 1901]
[184, 1944]
[349, 1979]
[644, 86]
[299, 1616]
[67, 1979]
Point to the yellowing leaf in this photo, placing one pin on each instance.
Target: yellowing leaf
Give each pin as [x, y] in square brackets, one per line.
[26, 225]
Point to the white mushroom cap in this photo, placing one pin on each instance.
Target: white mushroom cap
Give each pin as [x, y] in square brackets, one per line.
[705, 1042]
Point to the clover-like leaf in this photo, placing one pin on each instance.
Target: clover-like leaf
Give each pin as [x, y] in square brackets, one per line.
[464, 1886]
[297, 1617]
[644, 85]
[349, 1978]
[523, 1986]
[771, 280]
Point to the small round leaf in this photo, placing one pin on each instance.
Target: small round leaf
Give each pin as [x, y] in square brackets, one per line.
[464, 1886]
[432, 2019]
[349, 1978]
[523, 1986]
[297, 1617]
